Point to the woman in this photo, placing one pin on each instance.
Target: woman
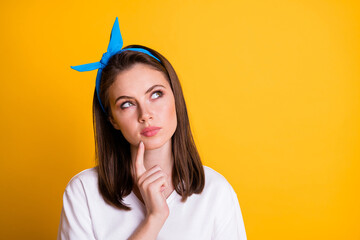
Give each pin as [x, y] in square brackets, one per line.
[149, 182]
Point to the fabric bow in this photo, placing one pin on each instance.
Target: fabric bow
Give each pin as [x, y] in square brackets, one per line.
[115, 45]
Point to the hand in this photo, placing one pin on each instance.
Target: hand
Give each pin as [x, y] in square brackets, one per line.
[151, 183]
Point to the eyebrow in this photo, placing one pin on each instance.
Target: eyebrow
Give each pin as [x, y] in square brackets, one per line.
[147, 91]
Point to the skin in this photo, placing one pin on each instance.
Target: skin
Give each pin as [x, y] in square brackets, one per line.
[151, 156]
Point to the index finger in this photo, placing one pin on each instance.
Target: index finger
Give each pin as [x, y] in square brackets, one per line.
[139, 161]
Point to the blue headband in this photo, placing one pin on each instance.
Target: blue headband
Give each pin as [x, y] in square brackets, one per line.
[115, 45]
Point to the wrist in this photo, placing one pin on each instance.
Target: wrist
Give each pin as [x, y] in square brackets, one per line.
[148, 229]
[155, 221]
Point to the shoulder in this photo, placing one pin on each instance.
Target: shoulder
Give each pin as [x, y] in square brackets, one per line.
[214, 178]
[219, 196]
[86, 175]
[84, 179]
[216, 184]
[225, 207]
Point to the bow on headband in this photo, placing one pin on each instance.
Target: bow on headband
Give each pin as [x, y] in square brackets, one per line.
[115, 45]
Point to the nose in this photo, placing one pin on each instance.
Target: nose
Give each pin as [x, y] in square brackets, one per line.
[145, 114]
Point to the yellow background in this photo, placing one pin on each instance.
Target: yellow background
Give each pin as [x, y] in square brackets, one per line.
[272, 89]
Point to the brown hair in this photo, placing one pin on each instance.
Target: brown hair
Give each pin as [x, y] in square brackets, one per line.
[112, 150]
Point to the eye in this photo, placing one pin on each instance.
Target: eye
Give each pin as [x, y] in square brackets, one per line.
[125, 105]
[156, 94]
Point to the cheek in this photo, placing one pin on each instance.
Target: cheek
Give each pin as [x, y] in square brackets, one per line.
[128, 129]
[171, 114]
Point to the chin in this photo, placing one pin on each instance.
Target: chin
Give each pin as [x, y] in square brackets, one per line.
[151, 144]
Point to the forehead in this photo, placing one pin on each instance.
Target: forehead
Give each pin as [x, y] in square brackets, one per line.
[137, 79]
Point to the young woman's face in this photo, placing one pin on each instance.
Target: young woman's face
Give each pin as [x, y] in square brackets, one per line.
[143, 106]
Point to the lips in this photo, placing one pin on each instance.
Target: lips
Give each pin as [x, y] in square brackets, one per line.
[150, 131]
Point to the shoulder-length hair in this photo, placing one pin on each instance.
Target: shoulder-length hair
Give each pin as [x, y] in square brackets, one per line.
[112, 151]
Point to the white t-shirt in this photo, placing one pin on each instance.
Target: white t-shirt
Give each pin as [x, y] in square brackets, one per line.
[213, 214]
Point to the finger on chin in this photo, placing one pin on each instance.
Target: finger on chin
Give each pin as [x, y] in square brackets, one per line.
[139, 161]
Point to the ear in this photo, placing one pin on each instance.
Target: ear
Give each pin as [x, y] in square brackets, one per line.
[112, 121]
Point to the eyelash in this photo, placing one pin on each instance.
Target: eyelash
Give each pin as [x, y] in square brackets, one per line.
[159, 91]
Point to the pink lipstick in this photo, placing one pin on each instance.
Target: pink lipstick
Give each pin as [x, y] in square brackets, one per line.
[150, 131]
